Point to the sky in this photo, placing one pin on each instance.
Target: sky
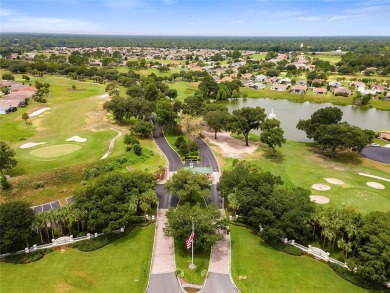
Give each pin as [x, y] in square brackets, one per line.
[198, 18]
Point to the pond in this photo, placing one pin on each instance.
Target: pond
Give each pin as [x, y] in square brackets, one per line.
[289, 113]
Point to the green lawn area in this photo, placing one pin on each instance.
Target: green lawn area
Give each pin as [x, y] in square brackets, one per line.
[269, 270]
[184, 89]
[118, 267]
[259, 57]
[183, 260]
[302, 165]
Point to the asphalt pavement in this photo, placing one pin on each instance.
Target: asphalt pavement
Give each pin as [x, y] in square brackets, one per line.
[166, 200]
[207, 158]
[218, 283]
[379, 154]
[173, 158]
[164, 283]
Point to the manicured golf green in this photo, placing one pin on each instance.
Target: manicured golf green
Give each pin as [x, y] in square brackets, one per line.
[269, 270]
[122, 266]
[301, 164]
[55, 151]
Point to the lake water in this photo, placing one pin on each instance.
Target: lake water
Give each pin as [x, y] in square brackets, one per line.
[289, 113]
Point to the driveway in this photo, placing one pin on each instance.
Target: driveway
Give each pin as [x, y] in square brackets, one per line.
[207, 158]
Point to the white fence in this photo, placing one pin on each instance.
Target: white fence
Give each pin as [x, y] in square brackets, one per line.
[59, 242]
[316, 252]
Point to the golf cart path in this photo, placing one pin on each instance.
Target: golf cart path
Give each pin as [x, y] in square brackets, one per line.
[112, 143]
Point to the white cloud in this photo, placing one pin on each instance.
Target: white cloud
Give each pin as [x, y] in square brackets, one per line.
[338, 17]
[309, 18]
[238, 21]
[5, 12]
[126, 3]
[13, 22]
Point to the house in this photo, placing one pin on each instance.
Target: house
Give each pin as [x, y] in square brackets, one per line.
[360, 86]
[320, 91]
[298, 89]
[334, 83]
[258, 86]
[368, 92]
[378, 88]
[387, 97]
[260, 78]
[285, 80]
[279, 87]
[302, 82]
[342, 91]
[384, 135]
[272, 79]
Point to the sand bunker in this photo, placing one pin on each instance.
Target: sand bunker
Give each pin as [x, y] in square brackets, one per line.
[30, 145]
[318, 199]
[230, 147]
[77, 139]
[334, 181]
[320, 187]
[375, 185]
[40, 111]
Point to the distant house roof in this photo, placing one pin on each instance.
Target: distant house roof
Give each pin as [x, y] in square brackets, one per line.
[319, 90]
[342, 90]
[277, 86]
[299, 88]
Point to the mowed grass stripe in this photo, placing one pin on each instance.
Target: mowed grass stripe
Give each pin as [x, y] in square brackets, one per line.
[269, 270]
[122, 266]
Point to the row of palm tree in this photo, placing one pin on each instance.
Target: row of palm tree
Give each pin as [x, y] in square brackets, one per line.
[338, 227]
[65, 220]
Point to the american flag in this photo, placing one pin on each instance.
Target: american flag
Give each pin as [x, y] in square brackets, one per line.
[190, 239]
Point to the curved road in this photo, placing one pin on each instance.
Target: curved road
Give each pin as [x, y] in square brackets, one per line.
[112, 142]
[172, 157]
[379, 154]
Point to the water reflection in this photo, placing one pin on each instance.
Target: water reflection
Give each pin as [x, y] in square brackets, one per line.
[289, 114]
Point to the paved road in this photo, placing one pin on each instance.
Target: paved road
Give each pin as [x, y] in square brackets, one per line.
[214, 197]
[164, 283]
[163, 276]
[207, 158]
[218, 283]
[378, 154]
[166, 200]
[173, 158]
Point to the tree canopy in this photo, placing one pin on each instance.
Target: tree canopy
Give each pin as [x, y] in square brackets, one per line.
[207, 222]
[7, 155]
[245, 119]
[16, 219]
[110, 202]
[188, 186]
[272, 134]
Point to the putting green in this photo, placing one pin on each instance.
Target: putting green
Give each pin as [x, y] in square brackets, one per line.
[55, 151]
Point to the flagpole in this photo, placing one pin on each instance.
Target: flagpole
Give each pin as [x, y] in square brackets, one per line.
[192, 265]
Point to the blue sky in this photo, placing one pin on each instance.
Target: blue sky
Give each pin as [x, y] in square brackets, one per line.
[201, 17]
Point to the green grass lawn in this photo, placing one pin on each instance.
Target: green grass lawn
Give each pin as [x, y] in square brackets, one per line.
[301, 164]
[184, 89]
[269, 270]
[122, 266]
[183, 260]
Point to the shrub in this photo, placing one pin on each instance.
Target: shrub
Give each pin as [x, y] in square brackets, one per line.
[26, 258]
[94, 172]
[289, 249]
[38, 184]
[137, 149]
[122, 160]
[354, 278]
[98, 242]
[4, 183]
[129, 148]
[204, 274]
[108, 168]
[179, 273]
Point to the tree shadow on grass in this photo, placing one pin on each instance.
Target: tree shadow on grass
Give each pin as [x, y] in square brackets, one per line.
[340, 156]
[278, 158]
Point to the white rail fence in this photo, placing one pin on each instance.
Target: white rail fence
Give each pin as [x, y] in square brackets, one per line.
[59, 242]
[316, 252]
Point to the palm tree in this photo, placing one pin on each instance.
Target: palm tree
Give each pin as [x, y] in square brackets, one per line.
[149, 197]
[39, 220]
[233, 203]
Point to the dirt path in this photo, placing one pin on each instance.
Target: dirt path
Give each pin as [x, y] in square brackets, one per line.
[229, 147]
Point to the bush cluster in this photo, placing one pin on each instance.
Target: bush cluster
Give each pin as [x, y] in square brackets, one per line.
[96, 243]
